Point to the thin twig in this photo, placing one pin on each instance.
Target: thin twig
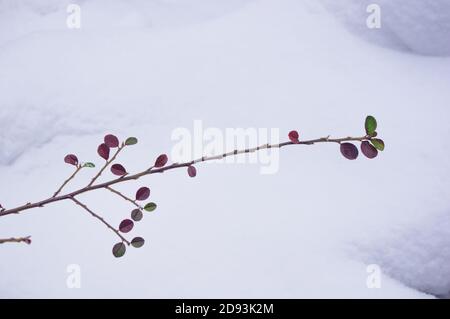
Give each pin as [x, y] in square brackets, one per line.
[67, 181]
[106, 164]
[124, 197]
[150, 171]
[101, 219]
[26, 240]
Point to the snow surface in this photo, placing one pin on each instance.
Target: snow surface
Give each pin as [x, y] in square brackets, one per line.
[415, 26]
[144, 68]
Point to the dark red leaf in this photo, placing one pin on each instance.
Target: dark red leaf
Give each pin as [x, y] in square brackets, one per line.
[192, 171]
[161, 160]
[349, 151]
[71, 159]
[293, 136]
[368, 150]
[126, 225]
[111, 141]
[118, 169]
[103, 151]
[27, 240]
[143, 193]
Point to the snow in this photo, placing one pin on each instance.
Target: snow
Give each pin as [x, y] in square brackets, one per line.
[413, 26]
[145, 68]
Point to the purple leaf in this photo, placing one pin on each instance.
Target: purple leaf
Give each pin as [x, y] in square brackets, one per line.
[126, 225]
[293, 137]
[349, 151]
[161, 160]
[118, 169]
[368, 150]
[192, 171]
[103, 151]
[71, 159]
[143, 193]
[111, 141]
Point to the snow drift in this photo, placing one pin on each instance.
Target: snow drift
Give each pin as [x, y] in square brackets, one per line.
[414, 26]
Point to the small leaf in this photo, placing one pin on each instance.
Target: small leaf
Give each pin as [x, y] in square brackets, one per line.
[368, 150]
[27, 240]
[379, 144]
[111, 141]
[131, 141]
[192, 171]
[137, 242]
[136, 215]
[374, 134]
[103, 151]
[161, 160]
[119, 250]
[118, 169]
[89, 165]
[150, 207]
[142, 193]
[126, 225]
[71, 159]
[370, 124]
[293, 137]
[349, 151]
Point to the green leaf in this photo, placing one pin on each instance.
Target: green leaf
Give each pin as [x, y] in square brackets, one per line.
[131, 141]
[371, 125]
[89, 164]
[377, 143]
[150, 207]
[119, 250]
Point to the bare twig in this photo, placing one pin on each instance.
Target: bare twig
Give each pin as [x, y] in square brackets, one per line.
[101, 219]
[67, 181]
[26, 240]
[153, 170]
[124, 197]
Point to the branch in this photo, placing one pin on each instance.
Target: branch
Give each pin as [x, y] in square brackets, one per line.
[26, 240]
[369, 147]
[124, 197]
[67, 181]
[101, 219]
[152, 170]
